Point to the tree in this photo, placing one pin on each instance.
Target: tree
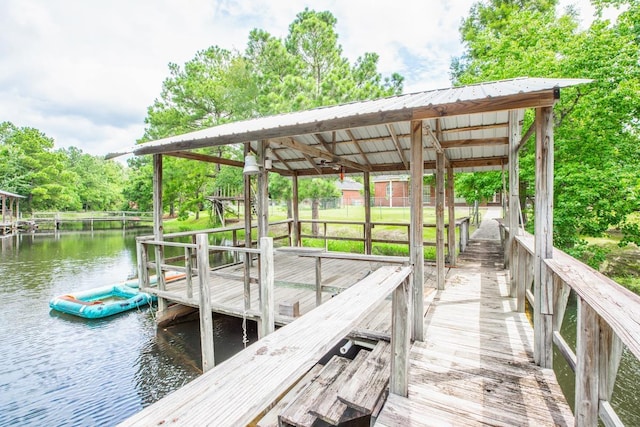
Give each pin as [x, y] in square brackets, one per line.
[597, 128]
[317, 189]
[306, 69]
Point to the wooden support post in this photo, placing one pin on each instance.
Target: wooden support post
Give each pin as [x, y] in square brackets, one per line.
[451, 232]
[416, 248]
[247, 236]
[440, 220]
[296, 211]
[142, 257]
[263, 193]
[206, 317]
[318, 281]
[267, 304]
[543, 283]
[368, 246]
[587, 350]
[158, 227]
[513, 220]
[400, 339]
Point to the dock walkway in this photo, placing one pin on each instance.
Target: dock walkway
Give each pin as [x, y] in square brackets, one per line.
[475, 366]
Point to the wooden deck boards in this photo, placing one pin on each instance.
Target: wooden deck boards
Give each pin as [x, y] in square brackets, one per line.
[294, 281]
[475, 366]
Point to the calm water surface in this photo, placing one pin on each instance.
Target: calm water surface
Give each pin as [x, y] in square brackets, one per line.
[61, 370]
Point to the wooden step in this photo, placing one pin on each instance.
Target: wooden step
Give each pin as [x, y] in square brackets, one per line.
[297, 412]
[333, 411]
[370, 381]
[271, 418]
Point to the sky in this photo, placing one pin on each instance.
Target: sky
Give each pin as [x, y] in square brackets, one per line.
[84, 72]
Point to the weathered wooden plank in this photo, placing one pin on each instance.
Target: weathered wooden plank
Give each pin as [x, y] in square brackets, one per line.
[240, 390]
[267, 300]
[206, 319]
[451, 229]
[416, 248]
[440, 275]
[298, 412]
[328, 407]
[271, 418]
[369, 381]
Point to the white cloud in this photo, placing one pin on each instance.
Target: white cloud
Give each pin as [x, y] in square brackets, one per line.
[85, 72]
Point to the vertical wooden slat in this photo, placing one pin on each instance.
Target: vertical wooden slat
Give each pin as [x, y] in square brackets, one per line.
[206, 318]
[267, 304]
[543, 284]
[440, 220]
[521, 285]
[296, 210]
[158, 227]
[587, 349]
[451, 232]
[561, 292]
[368, 247]
[400, 339]
[142, 258]
[609, 360]
[416, 248]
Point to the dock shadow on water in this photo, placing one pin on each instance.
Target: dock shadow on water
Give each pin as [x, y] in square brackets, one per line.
[62, 370]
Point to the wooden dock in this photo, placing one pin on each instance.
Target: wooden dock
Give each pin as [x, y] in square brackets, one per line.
[475, 366]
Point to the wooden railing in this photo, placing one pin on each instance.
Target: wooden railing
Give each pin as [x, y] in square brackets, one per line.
[608, 320]
[228, 395]
[462, 224]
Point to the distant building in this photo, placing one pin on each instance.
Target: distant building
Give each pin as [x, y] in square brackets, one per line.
[391, 190]
[351, 192]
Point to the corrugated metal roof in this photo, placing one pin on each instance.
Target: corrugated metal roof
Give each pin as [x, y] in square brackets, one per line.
[471, 123]
[6, 193]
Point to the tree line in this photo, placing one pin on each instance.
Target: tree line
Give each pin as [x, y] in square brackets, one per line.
[597, 133]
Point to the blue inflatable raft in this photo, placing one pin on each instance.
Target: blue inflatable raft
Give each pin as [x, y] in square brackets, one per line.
[107, 300]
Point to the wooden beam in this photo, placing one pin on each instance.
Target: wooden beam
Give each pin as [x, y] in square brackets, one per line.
[543, 283]
[527, 135]
[280, 159]
[324, 143]
[472, 128]
[205, 158]
[416, 249]
[315, 152]
[312, 163]
[400, 339]
[457, 143]
[396, 142]
[436, 142]
[247, 235]
[358, 147]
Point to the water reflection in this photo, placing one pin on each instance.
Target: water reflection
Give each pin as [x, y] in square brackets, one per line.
[61, 370]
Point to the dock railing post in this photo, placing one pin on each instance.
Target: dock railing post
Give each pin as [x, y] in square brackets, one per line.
[143, 272]
[267, 304]
[400, 338]
[206, 318]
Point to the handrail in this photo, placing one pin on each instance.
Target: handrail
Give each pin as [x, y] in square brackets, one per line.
[608, 316]
[277, 361]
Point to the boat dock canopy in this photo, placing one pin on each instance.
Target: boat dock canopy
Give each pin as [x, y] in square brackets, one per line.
[470, 123]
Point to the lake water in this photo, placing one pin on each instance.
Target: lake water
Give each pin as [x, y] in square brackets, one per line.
[61, 370]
